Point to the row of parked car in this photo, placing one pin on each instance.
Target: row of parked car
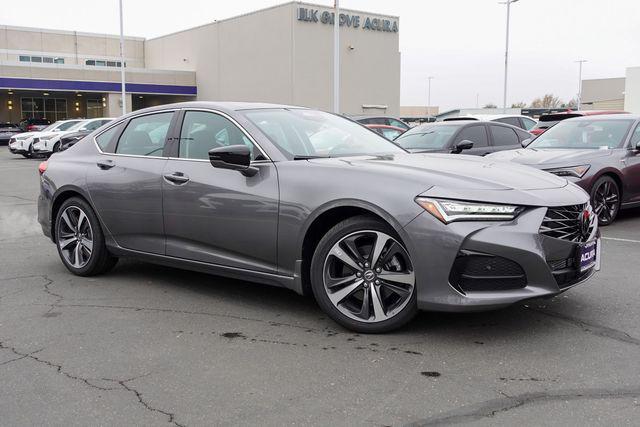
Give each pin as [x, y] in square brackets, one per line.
[589, 148]
[52, 138]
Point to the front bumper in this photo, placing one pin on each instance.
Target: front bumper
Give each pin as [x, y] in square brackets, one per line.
[436, 247]
[41, 147]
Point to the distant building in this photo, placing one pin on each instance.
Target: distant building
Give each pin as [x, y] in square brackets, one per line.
[632, 90]
[603, 94]
[281, 54]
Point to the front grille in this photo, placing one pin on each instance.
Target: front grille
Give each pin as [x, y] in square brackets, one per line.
[483, 272]
[566, 223]
[36, 140]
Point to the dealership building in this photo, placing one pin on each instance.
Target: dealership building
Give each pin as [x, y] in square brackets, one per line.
[282, 54]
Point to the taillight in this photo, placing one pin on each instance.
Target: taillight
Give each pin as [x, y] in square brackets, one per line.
[42, 167]
[31, 128]
[536, 132]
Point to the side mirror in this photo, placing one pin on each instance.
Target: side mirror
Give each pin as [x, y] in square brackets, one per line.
[465, 144]
[638, 146]
[234, 157]
[526, 142]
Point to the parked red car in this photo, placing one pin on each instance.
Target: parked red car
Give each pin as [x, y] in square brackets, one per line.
[547, 120]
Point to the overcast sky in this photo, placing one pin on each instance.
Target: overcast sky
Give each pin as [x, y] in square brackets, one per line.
[459, 42]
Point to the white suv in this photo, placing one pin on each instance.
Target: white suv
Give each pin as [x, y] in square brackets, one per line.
[522, 122]
[49, 142]
[22, 143]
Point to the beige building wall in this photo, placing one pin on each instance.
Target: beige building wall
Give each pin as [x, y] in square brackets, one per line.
[603, 94]
[74, 47]
[271, 56]
[632, 90]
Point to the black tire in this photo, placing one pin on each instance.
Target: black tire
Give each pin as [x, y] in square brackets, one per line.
[100, 260]
[56, 148]
[605, 200]
[346, 228]
[30, 153]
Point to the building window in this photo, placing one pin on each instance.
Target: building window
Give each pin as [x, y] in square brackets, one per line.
[41, 59]
[103, 63]
[49, 108]
[94, 108]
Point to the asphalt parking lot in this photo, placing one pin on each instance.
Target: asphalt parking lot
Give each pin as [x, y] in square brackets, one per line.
[152, 345]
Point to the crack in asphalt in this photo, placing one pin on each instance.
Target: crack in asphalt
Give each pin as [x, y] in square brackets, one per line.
[170, 415]
[17, 197]
[123, 384]
[598, 330]
[490, 408]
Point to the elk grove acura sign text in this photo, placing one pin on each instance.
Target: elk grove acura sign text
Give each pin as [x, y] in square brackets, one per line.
[348, 20]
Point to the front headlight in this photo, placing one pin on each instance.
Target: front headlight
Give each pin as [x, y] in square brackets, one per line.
[576, 171]
[47, 137]
[457, 210]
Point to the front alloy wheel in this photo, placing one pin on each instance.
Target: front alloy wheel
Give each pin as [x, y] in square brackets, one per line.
[363, 276]
[605, 198]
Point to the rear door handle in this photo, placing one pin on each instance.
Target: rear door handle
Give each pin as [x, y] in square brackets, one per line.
[105, 164]
[177, 178]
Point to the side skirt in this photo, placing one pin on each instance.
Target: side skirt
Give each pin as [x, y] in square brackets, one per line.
[203, 267]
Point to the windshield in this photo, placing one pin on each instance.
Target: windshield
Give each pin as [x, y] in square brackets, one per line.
[70, 125]
[310, 133]
[428, 137]
[74, 126]
[596, 134]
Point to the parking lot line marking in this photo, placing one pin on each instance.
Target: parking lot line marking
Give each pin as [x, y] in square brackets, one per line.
[617, 239]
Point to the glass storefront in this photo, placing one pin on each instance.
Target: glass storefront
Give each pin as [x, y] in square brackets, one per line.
[49, 108]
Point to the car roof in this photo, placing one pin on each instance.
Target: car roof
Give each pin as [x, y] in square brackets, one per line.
[371, 116]
[613, 116]
[230, 106]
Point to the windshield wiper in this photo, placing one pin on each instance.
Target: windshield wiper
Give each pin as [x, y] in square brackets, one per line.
[310, 157]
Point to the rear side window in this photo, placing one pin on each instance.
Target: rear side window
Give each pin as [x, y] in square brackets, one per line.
[503, 136]
[398, 124]
[635, 137]
[527, 124]
[513, 121]
[475, 134]
[105, 138]
[146, 135]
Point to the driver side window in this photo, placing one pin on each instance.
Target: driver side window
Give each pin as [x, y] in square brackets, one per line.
[202, 131]
[635, 138]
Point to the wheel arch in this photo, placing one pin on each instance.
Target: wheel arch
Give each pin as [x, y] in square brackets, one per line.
[323, 219]
[617, 177]
[61, 195]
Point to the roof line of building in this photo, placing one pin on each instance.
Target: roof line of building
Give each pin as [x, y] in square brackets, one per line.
[67, 32]
[218, 21]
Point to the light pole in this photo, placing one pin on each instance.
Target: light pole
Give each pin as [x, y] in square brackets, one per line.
[336, 58]
[506, 54]
[580, 62]
[122, 82]
[429, 94]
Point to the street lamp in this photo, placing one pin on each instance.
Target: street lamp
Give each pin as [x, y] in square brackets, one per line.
[429, 94]
[579, 100]
[336, 58]
[506, 54]
[122, 82]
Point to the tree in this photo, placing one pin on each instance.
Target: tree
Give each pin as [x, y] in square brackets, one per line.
[520, 104]
[547, 101]
[490, 105]
[573, 103]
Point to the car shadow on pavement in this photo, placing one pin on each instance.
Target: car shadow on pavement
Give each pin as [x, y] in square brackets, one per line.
[517, 322]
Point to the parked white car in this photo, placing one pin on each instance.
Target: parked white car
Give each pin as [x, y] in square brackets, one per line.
[523, 122]
[22, 143]
[49, 142]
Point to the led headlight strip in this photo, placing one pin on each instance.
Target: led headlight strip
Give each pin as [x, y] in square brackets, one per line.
[458, 210]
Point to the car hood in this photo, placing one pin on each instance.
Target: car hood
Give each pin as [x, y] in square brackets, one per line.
[543, 158]
[25, 135]
[453, 171]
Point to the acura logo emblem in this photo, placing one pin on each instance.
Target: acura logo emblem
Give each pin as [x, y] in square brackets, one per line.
[369, 275]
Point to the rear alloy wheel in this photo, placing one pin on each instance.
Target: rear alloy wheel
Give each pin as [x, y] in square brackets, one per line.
[80, 240]
[605, 199]
[362, 276]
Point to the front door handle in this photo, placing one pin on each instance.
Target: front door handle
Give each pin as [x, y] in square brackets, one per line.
[105, 164]
[177, 178]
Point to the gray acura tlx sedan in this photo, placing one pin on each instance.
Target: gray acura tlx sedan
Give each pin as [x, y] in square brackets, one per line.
[316, 203]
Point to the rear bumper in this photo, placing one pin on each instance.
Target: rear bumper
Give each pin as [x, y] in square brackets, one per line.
[436, 248]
